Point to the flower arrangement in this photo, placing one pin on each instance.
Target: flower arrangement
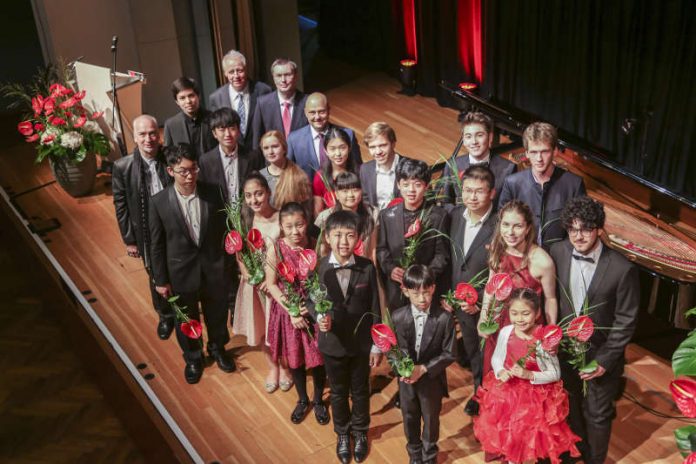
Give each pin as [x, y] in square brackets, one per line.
[684, 392]
[384, 338]
[309, 279]
[465, 292]
[252, 250]
[189, 327]
[498, 289]
[415, 235]
[546, 337]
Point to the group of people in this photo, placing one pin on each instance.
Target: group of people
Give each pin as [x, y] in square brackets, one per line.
[390, 239]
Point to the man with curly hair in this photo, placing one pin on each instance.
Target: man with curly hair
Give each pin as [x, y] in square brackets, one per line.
[599, 282]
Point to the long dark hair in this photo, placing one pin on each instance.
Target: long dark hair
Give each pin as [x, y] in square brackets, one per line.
[247, 213]
[366, 224]
[327, 167]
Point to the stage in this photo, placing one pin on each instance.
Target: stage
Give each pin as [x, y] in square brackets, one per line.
[229, 418]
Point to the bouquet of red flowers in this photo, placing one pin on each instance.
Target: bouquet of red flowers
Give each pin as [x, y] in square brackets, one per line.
[189, 327]
[546, 337]
[309, 279]
[577, 332]
[465, 292]
[415, 235]
[252, 250]
[384, 338]
[498, 289]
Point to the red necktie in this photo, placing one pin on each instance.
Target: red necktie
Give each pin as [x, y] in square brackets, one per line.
[286, 118]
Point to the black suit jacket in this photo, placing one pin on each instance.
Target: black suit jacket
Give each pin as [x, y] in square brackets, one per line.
[126, 180]
[213, 173]
[562, 186]
[176, 132]
[615, 290]
[368, 181]
[176, 259]
[466, 266]
[220, 98]
[267, 115]
[500, 167]
[352, 315]
[438, 343]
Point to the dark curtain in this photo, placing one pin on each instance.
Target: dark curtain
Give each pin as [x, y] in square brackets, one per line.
[587, 65]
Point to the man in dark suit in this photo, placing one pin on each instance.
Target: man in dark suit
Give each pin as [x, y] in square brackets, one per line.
[239, 94]
[413, 177]
[427, 334]
[187, 227]
[190, 125]
[477, 137]
[378, 177]
[344, 338]
[136, 178]
[282, 110]
[306, 145]
[545, 188]
[471, 229]
[600, 282]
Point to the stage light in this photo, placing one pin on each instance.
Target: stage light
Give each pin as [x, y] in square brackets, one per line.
[407, 76]
[468, 86]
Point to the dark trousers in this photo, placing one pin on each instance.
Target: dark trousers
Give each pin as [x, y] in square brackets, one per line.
[233, 288]
[472, 344]
[349, 376]
[213, 299]
[161, 305]
[590, 416]
[421, 403]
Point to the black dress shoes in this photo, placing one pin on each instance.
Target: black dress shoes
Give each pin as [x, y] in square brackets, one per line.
[359, 446]
[223, 360]
[300, 412]
[343, 448]
[471, 408]
[165, 328]
[321, 413]
[193, 371]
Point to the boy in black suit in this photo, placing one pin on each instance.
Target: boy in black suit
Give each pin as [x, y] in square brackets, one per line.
[344, 339]
[190, 126]
[426, 332]
[187, 229]
[413, 177]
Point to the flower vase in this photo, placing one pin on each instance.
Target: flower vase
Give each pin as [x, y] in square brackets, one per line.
[77, 179]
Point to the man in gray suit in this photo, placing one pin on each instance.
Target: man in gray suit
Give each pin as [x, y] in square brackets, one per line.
[600, 282]
[240, 94]
[306, 145]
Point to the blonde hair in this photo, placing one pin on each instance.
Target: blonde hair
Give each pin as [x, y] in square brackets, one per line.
[293, 186]
[279, 136]
[540, 132]
[376, 129]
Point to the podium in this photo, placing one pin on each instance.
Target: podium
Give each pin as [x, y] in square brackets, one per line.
[96, 80]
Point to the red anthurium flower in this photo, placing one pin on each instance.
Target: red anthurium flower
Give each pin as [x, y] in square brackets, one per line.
[192, 329]
[690, 459]
[550, 337]
[96, 115]
[47, 139]
[49, 106]
[684, 394]
[32, 138]
[69, 103]
[413, 229]
[56, 121]
[308, 261]
[581, 328]
[395, 201]
[255, 238]
[80, 95]
[233, 242]
[500, 285]
[80, 121]
[286, 271]
[466, 293]
[37, 104]
[59, 90]
[383, 337]
[38, 127]
[329, 199]
[26, 128]
[359, 248]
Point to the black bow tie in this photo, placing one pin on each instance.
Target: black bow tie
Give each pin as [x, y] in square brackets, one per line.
[583, 258]
[485, 164]
[347, 266]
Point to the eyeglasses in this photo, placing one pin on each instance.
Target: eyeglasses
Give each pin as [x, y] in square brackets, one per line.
[584, 231]
[186, 172]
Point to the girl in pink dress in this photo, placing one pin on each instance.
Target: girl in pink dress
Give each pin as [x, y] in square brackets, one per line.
[523, 406]
[288, 337]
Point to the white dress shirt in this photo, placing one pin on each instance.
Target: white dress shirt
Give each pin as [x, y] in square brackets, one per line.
[581, 274]
[472, 228]
[419, 319]
[234, 99]
[230, 164]
[385, 183]
[343, 275]
[191, 209]
[154, 184]
[473, 161]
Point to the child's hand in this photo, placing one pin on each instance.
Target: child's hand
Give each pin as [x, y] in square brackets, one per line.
[418, 372]
[520, 372]
[446, 306]
[375, 359]
[325, 323]
[299, 322]
[503, 375]
[469, 309]
[397, 275]
[262, 287]
[303, 310]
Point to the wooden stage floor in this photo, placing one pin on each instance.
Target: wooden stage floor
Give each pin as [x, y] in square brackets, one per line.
[228, 417]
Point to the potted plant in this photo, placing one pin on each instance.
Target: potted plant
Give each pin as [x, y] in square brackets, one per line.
[62, 128]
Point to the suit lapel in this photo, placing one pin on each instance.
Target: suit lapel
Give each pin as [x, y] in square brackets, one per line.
[410, 334]
[563, 271]
[178, 214]
[309, 148]
[331, 281]
[296, 110]
[483, 233]
[429, 330]
[399, 226]
[205, 214]
[355, 274]
[598, 277]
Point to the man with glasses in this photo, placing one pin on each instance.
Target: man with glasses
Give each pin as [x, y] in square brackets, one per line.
[545, 187]
[187, 228]
[597, 281]
[135, 179]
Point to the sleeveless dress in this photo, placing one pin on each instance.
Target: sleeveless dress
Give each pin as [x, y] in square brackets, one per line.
[251, 309]
[521, 278]
[296, 346]
[520, 421]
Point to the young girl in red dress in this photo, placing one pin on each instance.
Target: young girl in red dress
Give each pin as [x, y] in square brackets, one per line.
[523, 406]
[288, 337]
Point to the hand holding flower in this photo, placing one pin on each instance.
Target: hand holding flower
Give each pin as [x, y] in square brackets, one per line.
[418, 372]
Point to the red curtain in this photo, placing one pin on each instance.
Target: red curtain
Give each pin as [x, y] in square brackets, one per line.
[409, 10]
[470, 37]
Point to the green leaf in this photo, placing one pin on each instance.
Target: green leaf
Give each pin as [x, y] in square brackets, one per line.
[488, 328]
[172, 299]
[589, 367]
[690, 312]
[684, 358]
[681, 435]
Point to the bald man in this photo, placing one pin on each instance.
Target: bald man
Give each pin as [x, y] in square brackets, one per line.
[136, 178]
[305, 145]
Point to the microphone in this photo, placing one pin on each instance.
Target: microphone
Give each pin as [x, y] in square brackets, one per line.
[114, 42]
